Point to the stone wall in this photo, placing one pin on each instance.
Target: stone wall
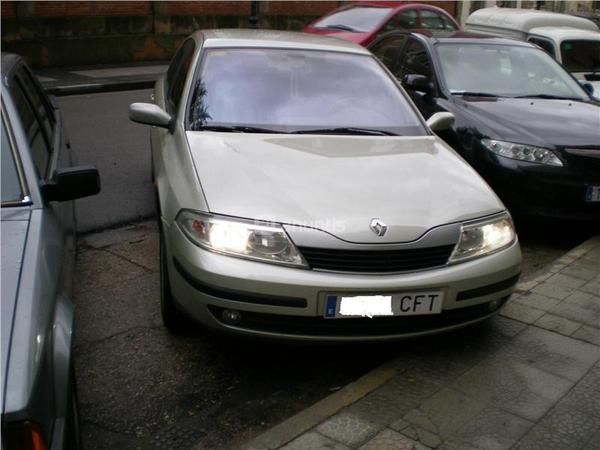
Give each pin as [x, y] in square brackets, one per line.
[70, 33]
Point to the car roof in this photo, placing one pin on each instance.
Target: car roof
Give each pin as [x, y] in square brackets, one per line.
[275, 39]
[462, 37]
[562, 33]
[525, 19]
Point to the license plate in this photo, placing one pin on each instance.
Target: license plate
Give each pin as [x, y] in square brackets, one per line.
[404, 304]
[592, 194]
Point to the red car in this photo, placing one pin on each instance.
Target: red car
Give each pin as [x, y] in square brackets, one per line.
[362, 23]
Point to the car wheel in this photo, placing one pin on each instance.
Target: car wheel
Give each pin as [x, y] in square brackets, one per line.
[172, 318]
[72, 428]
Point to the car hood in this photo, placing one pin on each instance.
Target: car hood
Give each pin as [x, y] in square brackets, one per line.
[13, 231]
[543, 122]
[340, 183]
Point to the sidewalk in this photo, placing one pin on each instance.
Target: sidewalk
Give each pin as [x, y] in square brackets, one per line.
[106, 78]
[530, 381]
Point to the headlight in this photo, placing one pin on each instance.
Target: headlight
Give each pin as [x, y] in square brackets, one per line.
[522, 152]
[482, 238]
[259, 241]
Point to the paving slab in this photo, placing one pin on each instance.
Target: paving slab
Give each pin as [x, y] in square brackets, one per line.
[528, 379]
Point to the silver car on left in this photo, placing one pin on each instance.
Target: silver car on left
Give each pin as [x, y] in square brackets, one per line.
[39, 182]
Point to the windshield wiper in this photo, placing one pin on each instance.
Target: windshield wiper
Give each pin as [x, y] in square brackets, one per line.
[474, 94]
[342, 27]
[548, 96]
[236, 129]
[347, 130]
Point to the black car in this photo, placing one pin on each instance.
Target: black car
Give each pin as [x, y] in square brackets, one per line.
[525, 124]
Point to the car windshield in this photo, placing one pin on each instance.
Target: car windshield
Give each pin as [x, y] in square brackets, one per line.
[505, 71]
[11, 188]
[581, 56]
[291, 91]
[359, 19]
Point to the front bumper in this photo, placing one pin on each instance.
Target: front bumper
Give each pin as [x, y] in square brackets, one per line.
[536, 190]
[282, 302]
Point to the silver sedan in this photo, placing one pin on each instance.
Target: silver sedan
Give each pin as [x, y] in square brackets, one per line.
[302, 196]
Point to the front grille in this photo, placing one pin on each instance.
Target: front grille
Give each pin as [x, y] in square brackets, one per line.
[377, 326]
[376, 260]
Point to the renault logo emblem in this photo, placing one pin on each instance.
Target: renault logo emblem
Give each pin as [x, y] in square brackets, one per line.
[378, 227]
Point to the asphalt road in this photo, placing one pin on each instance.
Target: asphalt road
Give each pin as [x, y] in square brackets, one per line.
[141, 387]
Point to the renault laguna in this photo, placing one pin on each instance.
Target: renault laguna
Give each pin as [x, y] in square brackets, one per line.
[301, 195]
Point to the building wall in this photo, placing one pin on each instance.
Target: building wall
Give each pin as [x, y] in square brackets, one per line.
[68, 33]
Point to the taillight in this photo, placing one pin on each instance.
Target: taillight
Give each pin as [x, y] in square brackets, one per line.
[24, 436]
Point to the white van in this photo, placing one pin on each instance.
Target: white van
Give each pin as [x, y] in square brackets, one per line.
[573, 41]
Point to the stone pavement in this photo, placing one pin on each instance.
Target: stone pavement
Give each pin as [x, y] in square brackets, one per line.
[531, 381]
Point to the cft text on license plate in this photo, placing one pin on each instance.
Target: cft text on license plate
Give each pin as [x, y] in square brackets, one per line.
[404, 304]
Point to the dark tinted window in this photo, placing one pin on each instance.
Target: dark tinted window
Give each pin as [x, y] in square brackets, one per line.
[402, 21]
[433, 21]
[177, 74]
[11, 188]
[296, 90]
[388, 52]
[39, 101]
[415, 60]
[581, 56]
[38, 142]
[357, 18]
[544, 44]
[407, 19]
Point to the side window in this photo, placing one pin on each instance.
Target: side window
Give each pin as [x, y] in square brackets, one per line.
[415, 60]
[388, 52]
[432, 21]
[38, 99]
[405, 20]
[38, 141]
[448, 24]
[177, 74]
[547, 46]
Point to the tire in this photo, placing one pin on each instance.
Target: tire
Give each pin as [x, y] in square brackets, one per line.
[172, 318]
[72, 426]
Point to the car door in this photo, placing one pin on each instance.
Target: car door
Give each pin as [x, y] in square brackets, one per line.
[167, 158]
[50, 152]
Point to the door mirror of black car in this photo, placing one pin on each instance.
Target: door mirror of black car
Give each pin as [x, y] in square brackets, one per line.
[441, 121]
[72, 183]
[419, 83]
[149, 114]
[588, 87]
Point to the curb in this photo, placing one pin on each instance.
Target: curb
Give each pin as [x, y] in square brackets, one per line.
[100, 87]
[556, 266]
[281, 434]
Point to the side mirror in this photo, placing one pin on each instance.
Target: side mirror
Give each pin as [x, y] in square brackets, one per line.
[441, 121]
[587, 87]
[149, 114]
[72, 183]
[419, 83]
